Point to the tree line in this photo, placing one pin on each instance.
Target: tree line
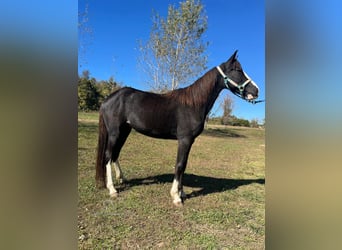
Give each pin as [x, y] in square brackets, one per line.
[91, 93]
[232, 120]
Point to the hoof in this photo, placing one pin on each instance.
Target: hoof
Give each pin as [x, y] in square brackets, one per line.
[178, 203]
[114, 195]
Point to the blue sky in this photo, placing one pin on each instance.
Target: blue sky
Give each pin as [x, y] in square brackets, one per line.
[117, 25]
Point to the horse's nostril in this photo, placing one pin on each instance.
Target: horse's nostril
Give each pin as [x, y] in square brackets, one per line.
[249, 97]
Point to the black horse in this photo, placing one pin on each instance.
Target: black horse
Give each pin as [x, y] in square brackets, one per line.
[179, 115]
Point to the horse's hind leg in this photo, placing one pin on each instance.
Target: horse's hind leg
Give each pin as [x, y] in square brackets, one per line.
[109, 180]
[112, 139]
[125, 129]
[118, 172]
[113, 136]
[115, 143]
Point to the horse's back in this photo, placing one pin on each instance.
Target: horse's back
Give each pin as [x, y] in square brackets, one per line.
[155, 115]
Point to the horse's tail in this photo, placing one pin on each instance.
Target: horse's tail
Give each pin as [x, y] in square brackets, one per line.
[101, 153]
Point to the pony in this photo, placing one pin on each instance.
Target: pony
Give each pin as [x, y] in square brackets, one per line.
[178, 115]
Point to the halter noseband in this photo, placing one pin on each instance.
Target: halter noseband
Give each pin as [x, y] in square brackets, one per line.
[240, 87]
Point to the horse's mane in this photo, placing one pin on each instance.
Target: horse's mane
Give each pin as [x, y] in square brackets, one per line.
[197, 93]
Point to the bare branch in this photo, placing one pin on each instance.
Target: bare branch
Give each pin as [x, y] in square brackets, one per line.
[175, 52]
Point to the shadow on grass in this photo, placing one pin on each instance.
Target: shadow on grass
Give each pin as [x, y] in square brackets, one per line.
[222, 133]
[207, 185]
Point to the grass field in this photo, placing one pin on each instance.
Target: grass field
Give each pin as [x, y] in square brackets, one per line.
[224, 182]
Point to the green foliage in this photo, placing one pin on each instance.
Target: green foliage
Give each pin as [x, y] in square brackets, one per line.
[215, 121]
[88, 95]
[235, 121]
[240, 122]
[106, 88]
[175, 51]
[92, 93]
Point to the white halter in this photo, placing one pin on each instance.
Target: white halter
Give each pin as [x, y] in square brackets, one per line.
[240, 87]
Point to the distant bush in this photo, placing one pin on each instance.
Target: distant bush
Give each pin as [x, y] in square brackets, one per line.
[254, 123]
[240, 122]
[215, 121]
[234, 121]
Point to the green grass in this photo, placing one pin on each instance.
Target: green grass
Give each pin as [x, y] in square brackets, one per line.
[224, 182]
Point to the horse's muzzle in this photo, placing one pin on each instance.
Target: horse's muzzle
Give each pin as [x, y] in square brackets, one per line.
[250, 97]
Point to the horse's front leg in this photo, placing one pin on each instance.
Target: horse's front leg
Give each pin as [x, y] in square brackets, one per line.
[177, 194]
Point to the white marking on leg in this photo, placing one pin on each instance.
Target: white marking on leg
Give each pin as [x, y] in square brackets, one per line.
[118, 171]
[110, 186]
[175, 194]
[174, 188]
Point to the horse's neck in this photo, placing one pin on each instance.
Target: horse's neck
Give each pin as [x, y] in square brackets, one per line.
[212, 97]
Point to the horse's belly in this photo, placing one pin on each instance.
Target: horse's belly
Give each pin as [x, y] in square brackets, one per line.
[154, 126]
[157, 133]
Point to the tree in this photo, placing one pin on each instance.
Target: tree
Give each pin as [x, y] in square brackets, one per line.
[91, 93]
[88, 94]
[175, 51]
[254, 123]
[227, 107]
[105, 88]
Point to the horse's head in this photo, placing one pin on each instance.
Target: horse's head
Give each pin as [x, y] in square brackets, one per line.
[237, 80]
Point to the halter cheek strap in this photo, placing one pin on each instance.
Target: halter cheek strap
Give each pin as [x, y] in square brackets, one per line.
[239, 87]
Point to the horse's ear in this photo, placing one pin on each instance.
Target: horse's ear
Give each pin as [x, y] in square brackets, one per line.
[233, 57]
